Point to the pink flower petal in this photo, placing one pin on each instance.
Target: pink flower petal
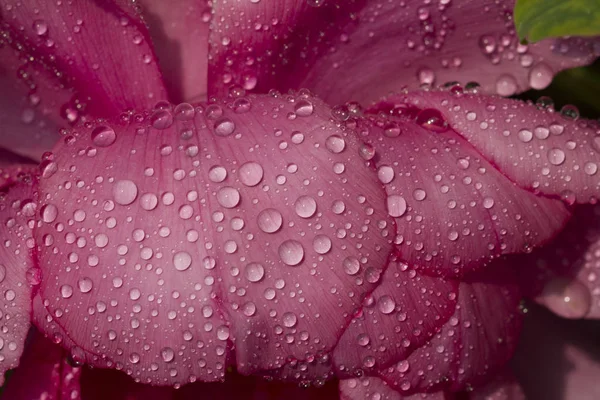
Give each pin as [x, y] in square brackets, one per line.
[361, 50]
[25, 127]
[79, 58]
[44, 373]
[179, 34]
[455, 211]
[376, 388]
[540, 150]
[402, 314]
[473, 345]
[174, 242]
[17, 272]
[564, 275]
[557, 359]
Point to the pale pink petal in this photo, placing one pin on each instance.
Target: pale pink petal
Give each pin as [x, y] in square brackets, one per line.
[454, 210]
[473, 345]
[557, 359]
[251, 226]
[179, 32]
[44, 373]
[79, 58]
[361, 50]
[376, 388]
[538, 149]
[17, 269]
[402, 314]
[564, 276]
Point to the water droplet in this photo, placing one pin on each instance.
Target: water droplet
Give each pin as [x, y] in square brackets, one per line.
[322, 244]
[304, 108]
[525, 135]
[291, 252]
[289, 319]
[506, 85]
[269, 220]
[351, 265]
[49, 213]
[161, 119]
[224, 127]
[385, 173]
[125, 192]
[432, 119]
[556, 156]
[85, 285]
[66, 291]
[167, 354]
[103, 136]
[182, 260]
[255, 272]
[396, 206]
[40, 27]
[305, 206]
[149, 201]
[335, 144]
[251, 173]
[540, 76]
[228, 197]
[217, 174]
[386, 304]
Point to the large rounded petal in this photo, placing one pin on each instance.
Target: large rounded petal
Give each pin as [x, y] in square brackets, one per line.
[363, 49]
[166, 243]
[79, 57]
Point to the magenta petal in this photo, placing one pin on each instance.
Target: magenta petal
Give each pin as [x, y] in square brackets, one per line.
[79, 57]
[474, 344]
[256, 229]
[376, 388]
[17, 212]
[43, 373]
[538, 149]
[561, 354]
[179, 34]
[455, 211]
[361, 50]
[564, 276]
[402, 314]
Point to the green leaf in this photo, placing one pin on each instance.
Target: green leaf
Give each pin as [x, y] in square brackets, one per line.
[540, 19]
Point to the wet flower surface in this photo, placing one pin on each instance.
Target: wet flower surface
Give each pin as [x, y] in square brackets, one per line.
[303, 199]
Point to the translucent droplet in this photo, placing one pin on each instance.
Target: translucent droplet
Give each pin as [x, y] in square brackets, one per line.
[125, 192]
[291, 252]
[182, 260]
[269, 220]
[351, 265]
[228, 197]
[103, 136]
[304, 108]
[224, 127]
[305, 206]
[251, 173]
[396, 206]
[254, 272]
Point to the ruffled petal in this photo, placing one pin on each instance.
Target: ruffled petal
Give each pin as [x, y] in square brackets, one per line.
[361, 50]
[251, 226]
[539, 149]
[557, 359]
[17, 268]
[179, 34]
[455, 211]
[44, 373]
[402, 314]
[564, 276]
[77, 58]
[475, 343]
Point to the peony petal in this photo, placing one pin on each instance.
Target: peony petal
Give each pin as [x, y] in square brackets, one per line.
[17, 272]
[474, 344]
[44, 373]
[564, 275]
[455, 211]
[557, 359]
[79, 57]
[179, 34]
[361, 50]
[402, 314]
[170, 241]
[25, 127]
[376, 388]
[540, 150]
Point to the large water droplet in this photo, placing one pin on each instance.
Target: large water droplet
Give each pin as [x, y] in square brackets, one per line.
[269, 220]
[291, 252]
[182, 260]
[251, 173]
[228, 197]
[396, 205]
[125, 192]
[103, 136]
[305, 206]
[254, 272]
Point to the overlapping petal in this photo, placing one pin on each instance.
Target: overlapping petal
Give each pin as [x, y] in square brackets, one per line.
[182, 240]
[363, 49]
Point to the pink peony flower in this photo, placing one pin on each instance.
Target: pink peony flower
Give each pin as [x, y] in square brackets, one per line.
[271, 194]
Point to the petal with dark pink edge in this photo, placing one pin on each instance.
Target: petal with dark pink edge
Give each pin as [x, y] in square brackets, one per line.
[254, 222]
[402, 314]
[539, 149]
[17, 271]
[564, 276]
[557, 359]
[363, 49]
[79, 57]
[454, 210]
[44, 373]
[474, 344]
[376, 388]
[179, 34]
[25, 128]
